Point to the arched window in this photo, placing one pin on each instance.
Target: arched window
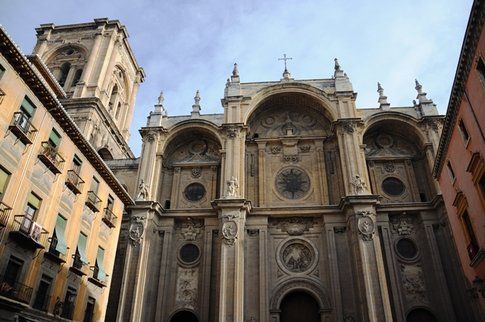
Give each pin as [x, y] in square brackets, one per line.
[112, 99]
[77, 77]
[64, 72]
[421, 315]
[105, 154]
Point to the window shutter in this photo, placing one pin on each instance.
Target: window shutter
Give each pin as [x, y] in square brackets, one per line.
[81, 247]
[34, 201]
[27, 107]
[61, 246]
[100, 262]
[54, 138]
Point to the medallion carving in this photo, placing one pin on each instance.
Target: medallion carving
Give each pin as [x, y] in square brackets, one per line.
[137, 229]
[366, 225]
[297, 256]
[229, 232]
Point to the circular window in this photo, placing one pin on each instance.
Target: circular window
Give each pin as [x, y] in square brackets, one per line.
[297, 256]
[292, 183]
[406, 248]
[189, 253]
[393, 186]
[194, 191]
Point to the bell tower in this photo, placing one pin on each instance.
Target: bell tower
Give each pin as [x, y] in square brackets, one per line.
[95, 65]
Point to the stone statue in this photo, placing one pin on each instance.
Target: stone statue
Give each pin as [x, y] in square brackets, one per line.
[143, 192]
[232, 187]
[359, 185]
[58, 307]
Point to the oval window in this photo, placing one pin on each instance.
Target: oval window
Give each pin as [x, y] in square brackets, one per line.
[393, 186]
[406, 248]
[189, 253]
[194, 191]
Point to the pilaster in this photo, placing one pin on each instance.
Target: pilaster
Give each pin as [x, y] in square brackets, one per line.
[367, 257]
[230, 285]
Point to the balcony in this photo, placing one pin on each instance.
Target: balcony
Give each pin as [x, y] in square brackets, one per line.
[51, 158]
[74, 182]
[109, 218]
[15, 290]
[77, 265]
[22, 128]
[93, 201]
[95, 278]
[4, 214]
[42, 303]
[53, 254]
[27, 233]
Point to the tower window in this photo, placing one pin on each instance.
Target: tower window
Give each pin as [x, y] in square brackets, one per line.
[118, 109]
[112, 99]
[64, 72]
[77, 77]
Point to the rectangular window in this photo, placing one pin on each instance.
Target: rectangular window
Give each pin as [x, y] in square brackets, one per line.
[54, 138]
[13, 270]
[94, 185]
[76, 164]
[58, 243]
[99, 271]
[450, 170]
[69, 301]
[27, 107]
[89, 313]
[4, 177]
[42, 297]
[2, 71]
[481, 70]
[111, 202]
[463, 131]
[472, 247]
[31, 209]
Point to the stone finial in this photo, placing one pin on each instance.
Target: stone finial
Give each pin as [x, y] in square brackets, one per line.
[196, 106]
[159, 108]
[286, 74]
[235, 74]
[338, 70]
[382, 98]
[421, 94]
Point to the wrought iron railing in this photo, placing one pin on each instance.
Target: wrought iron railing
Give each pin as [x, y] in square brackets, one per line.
[67, 310]
[41, 303]
[4, 214]
[93, 201]
[22, 128]
[109, 218]
[52, 252]
[74, 181]
[32, 233]
[15, 290]
[77, 263]
[51, 157]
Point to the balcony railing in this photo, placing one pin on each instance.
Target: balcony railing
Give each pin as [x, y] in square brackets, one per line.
[15, 290]
[74, 182]
[109, 218]
[42, 304]
[67, 310]
[22, 128]
[95, 278]
[51, 158]
[4, 214]
[28, 233]
[53, 254]
[77, 265]
[93, 201]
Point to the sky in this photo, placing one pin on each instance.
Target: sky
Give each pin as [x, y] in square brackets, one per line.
[189, 45]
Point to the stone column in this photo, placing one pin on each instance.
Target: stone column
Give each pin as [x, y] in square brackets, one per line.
[369, 264]
[88, 69]
[230, 285]
[235, 151]
[149, 159]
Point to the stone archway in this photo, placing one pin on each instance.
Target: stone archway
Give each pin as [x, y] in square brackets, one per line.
[184, 316]
[299, 306]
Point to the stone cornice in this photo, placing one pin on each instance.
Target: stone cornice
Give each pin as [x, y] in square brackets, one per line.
[470, 42]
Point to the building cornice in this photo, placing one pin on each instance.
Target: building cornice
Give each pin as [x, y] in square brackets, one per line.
[38, 84]
[468, 49]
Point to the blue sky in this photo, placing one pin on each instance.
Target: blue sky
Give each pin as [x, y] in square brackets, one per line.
[185, 45]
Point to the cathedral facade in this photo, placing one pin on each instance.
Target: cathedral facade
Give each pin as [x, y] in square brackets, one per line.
[291, 205]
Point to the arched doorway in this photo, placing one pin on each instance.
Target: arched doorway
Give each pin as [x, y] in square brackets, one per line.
[421, 315]
[184, 316]
[299, 306]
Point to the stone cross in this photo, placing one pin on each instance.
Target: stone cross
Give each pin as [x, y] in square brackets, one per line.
[285, 59]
